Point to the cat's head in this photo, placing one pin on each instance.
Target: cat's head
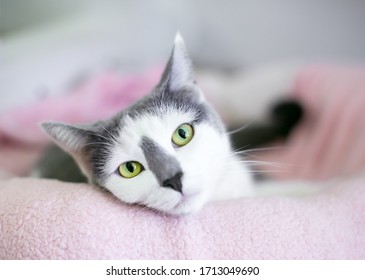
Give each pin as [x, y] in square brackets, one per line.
[164, 152]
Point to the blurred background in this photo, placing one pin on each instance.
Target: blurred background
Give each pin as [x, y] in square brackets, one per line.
[47, 45]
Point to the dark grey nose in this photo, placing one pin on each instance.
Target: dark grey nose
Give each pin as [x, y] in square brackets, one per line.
[174, 182]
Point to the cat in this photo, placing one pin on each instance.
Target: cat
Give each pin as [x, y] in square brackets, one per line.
[170, 151]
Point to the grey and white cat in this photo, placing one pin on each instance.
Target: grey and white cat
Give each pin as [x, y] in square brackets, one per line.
[169, 151]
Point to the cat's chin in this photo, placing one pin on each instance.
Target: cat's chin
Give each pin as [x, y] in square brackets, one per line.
[186, 205]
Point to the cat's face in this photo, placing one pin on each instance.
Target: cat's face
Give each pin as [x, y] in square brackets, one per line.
[163, 152]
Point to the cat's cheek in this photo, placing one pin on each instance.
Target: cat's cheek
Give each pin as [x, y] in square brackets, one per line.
[195, 164]
[134, 190]
[192, 184]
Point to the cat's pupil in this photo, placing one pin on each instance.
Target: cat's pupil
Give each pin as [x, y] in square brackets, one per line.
[130, 167]
[182, 133]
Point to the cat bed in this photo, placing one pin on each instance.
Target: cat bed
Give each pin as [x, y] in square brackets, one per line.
[48, 219]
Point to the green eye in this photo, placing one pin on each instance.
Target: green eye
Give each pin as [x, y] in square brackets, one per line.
[130, 169]
[183, 135]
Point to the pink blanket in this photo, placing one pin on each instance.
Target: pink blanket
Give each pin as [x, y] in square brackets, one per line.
[47, 219]
[43, 219]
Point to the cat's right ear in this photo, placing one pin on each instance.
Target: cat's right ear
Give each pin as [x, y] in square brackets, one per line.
[69, 137]
[72, 139]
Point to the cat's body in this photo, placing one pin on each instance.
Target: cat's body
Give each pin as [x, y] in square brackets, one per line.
[169, 151]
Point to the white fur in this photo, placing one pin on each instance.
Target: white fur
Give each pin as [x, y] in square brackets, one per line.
[206, 163]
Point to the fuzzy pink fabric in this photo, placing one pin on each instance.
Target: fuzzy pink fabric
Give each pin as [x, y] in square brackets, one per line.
[47, 219]
[43, 219]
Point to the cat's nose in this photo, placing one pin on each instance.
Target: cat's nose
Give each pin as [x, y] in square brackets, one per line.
[174, 182]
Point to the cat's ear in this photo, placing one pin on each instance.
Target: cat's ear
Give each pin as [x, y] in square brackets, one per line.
[72, 139]
[69, 137]
[179, 71]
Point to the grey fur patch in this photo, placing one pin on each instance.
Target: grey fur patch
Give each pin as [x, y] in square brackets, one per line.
[101, 143]
[160, 163]
[184, 100]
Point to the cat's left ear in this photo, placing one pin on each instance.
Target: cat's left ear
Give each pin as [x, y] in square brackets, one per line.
[178, 73]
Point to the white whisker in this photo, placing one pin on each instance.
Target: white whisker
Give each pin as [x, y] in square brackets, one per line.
[239, 129]
[240, 149]
[96, 143]
[107, 131]
[254, 150]
[99, 135]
